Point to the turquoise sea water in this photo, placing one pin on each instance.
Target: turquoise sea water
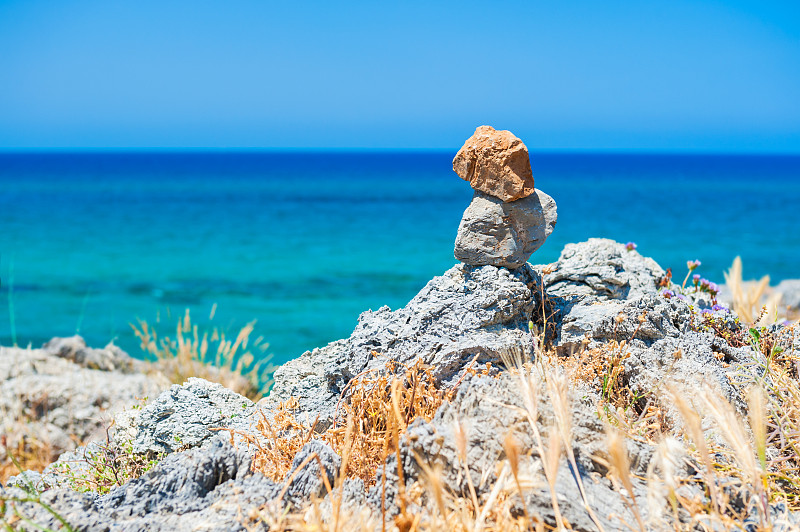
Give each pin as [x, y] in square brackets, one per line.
[304, 242]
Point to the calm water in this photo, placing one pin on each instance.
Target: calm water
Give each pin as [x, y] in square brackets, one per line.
[304, 242]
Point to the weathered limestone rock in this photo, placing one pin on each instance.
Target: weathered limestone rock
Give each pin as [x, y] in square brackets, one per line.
[466, 312]
[66, 393]
[604, 269]
[599, 291]
[495, 163]
[790, 294]
[307, 482]
[209, 488]
[493, 232]
[181, 417]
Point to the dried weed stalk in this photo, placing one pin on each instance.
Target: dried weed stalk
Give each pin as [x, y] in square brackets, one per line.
[747, 297]
[29, 450]
[214, 357]
[381, 405]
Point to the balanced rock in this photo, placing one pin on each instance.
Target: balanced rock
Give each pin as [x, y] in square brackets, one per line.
[504, 233]
[495, 163]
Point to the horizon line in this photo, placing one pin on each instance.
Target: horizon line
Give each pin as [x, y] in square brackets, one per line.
[341, 150]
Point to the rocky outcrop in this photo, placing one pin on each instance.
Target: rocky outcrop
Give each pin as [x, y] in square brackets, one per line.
[790, 295]
[66, 393]
[488, 410]
[598, 296]
[199, 489]
[495, 163]
[599, 290]
[181, 417]
[496, 233]
[604, 270]
[306, 476]
[467, 313]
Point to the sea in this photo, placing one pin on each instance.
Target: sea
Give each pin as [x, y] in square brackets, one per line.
[303, 242]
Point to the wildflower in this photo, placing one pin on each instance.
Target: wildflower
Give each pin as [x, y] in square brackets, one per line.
[630, 246]
[718, 307]
[691, 265]
[705, 311]
[668, 293]
[696, 279]
[713, 288]
[704, 283]
[681, 297]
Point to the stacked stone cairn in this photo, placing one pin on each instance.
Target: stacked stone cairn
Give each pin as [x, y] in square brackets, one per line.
[508, 219]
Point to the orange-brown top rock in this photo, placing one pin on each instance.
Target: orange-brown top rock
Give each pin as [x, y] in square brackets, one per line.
[496, 163]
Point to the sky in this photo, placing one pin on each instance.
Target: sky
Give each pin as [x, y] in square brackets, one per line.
[687, 76]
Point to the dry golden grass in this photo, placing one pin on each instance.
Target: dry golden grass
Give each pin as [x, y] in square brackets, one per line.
[756, 458]
[378, 409]
[29, 450]
[215, 357]
[774, 392]
[639, 416]
[379, 406]
[747, 297]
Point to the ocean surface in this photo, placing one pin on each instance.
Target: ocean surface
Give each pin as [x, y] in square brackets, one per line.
[304, 242]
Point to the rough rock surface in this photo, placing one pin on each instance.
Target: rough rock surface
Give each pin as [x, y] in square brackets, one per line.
[597, 282]
[308, 482]
[181, 417]
[790, 294]
[495, 163]
[467, 313]
[490, 408]
[496, 233]
[597, 296]
[603, 269]
[199, 489]
[66, 393]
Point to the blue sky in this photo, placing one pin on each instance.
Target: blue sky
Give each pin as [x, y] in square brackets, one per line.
[565, 75]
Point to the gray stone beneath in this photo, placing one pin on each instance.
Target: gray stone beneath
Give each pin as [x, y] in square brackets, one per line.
[493, 232]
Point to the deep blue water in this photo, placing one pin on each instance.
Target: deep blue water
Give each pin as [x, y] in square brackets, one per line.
[304, 242]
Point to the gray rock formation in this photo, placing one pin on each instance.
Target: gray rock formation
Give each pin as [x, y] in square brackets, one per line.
[599, 295]
[790, 295]
[467, 313]
[210, 488]
[493, 232]
[65, 393]
[308, 482]
[601, 290]
[603, 269]
[181, 417]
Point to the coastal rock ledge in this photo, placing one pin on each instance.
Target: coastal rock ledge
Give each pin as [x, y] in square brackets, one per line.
[597, 296]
